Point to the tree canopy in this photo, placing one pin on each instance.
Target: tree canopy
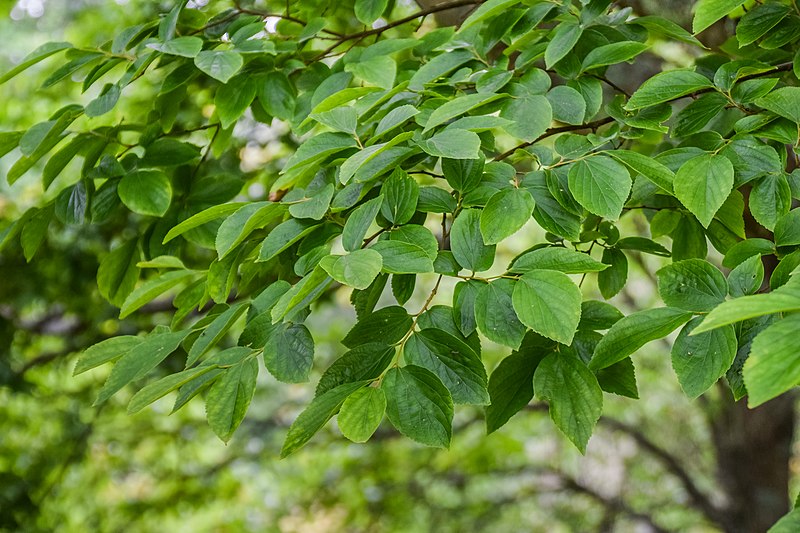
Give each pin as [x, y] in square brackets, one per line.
[232, 165]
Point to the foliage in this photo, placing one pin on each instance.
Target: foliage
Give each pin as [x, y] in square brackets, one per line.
[416, 154]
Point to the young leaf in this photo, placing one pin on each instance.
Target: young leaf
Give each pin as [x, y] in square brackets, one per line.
[219, 64]
[361, 413]
[573, 394]
[549, 303]
[419, 405]
[358, 269]
[634, 331]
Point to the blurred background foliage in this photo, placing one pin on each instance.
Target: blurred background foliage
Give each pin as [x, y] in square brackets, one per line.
[66, 466]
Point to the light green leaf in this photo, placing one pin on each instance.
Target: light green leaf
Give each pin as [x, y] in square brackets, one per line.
[316, 415]
[41, 53]
[394, 118]
[237, 227]
[505, 214]
[358, 269]
[368, 11]
[567, 104]
[118, 272]
[787, 229]
[437, 67]
[703, 184]
[419, 405]
[634, 331]
[667, 86]
[708, 12]
[601, 185]
[319, 147]
[747, 277]
[106, 351]
[646, 166]
[314, 205]
[400, 195]
[486, 10]
[215, 332]
[203, 217]
[700, 360]
[284, 235]
[773, 366]
[233, 99]
[180, 46]
[219, 64]
[229, 398]
[277, 95]
[531, 115]
[361, 414]
[403, 258]
[457, 107]
[782, 300]
[573, 394]
[549, 303]
[164, 386]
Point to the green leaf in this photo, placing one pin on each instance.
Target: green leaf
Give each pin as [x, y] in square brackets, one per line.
[773, 366]
[146, 192]
[452, 143]
[419, 405]
[358, 269]
[787, 229]
[277, 95]
[698, 113]
[758, 21]
[215, 332]
[167, 152]
[788, 523]
[106, 351]
[646, 166]
[237, 227]
[784, 102]
[180, 46]
[289, 353]
[463, 175]
[467, 243]
[436, 200]
[387, 325]
[164, 386]
[596, 315]
[152, 288]
[41, 53]
[703, 184]
[306, 291]
[612, 280]
[549, 303]
[782, 300]
[667, 86]
[770, 199]
[642, 244]
[284, 235]
[601, 185]
[634, 331]
[531, 115]
[316, 415]
[611, 54]
[505, 214]
[619, 378]
[379, 70]
[139, 361]
[563, 39]
[457, 107]
[453, 361]
[486, 10]
[400, 195]
[221, 65]
[364, 362]
[666, 28]
[556, 258]
[567, 104]
[118, 273]
[315, 205]
[573, 394]
[367, 12]
[317, 148]
[395, 118]
[229, 398]
[105, 102]
[359, 222]
[203, 217]
[437, 67]
[495, 315]
[403, 258]
[700, 360]
[233, 98]
[361, 414]
[708, 12]
[747, 277]
[693, 285]
[417, 235]
[511, 387]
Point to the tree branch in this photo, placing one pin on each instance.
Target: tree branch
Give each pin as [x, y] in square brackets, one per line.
[554, 131]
